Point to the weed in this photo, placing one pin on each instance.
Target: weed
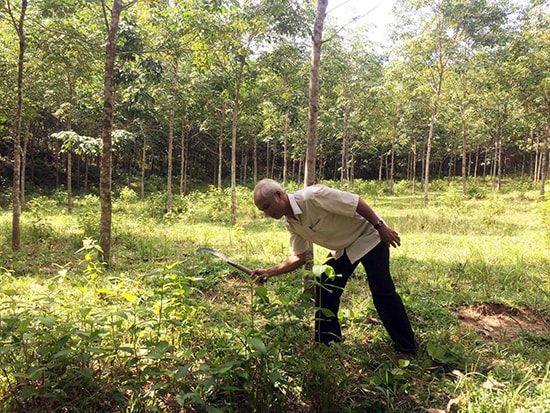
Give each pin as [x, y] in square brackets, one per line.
[163, 329]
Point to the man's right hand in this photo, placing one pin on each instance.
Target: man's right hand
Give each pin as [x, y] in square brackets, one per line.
[259, 275]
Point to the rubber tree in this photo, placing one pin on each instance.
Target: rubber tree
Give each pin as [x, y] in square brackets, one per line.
[17, 18]
[313, 108]
[112, 18]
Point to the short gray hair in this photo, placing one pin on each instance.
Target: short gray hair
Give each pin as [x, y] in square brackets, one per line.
[267, 188]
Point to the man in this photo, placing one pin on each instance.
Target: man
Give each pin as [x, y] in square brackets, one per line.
[343, 223]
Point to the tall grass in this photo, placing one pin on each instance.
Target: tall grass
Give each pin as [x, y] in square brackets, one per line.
[164, 329]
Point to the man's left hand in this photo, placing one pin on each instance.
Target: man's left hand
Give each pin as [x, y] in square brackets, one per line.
[389, 236]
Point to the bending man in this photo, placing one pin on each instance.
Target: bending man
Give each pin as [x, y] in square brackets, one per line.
[343, 223]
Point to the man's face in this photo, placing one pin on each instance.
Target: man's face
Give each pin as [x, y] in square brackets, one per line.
[271, 206]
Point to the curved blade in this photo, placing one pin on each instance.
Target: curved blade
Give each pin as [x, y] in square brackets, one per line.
[225, 258]
[213, 252]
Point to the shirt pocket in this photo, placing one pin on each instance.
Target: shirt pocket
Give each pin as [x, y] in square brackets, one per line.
[321, 226]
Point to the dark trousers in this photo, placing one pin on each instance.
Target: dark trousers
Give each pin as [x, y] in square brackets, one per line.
[387, 302]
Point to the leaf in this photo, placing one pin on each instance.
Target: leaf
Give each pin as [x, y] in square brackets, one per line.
[181, 371]
[23, 324]
[62, 353]
[129, 297]
[48, 321]
[223, 368]
[257, 344]
[26, 392]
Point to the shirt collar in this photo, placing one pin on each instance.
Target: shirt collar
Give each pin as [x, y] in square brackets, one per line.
[296, 210]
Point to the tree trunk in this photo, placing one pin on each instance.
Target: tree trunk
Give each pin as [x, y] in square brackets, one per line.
[143, 165]
[392, 161]
[464, 129]
[545, 150]
[106, 135]
[234, 143]
[313, 113]
[170, 161]
[255, 161]
[220, 144]
[69, 181]
[24, 150]
[285, 150]
[413, 167]
[344, 172]
[183, 163]
[16, 218]
[430, 136]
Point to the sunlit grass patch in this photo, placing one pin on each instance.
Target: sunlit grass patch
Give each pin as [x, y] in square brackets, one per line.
[165, 328]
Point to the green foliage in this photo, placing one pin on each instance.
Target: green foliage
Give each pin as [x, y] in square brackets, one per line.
[164, 329]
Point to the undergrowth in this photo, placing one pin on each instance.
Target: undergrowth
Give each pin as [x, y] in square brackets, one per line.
[165, 329]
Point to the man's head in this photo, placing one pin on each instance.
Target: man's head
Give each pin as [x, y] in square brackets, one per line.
[271, 198]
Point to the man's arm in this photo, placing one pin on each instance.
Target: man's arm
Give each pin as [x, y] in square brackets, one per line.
[387, 234]
[290, 264]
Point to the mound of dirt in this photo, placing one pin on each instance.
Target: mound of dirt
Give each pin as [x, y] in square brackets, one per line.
[501, 322]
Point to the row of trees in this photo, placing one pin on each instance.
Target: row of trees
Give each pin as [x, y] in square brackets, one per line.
[209, 90]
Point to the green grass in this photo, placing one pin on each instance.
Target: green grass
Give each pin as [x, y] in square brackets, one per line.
[165, 329]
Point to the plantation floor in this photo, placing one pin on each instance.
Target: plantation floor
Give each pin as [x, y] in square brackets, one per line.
[166, 330]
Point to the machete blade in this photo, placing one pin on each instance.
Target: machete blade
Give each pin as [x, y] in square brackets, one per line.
[225, 258]
[213, 252]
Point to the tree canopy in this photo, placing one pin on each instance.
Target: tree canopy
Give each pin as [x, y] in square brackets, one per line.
[462, 90]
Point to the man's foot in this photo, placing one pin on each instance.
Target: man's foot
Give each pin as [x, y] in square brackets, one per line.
[406, 350]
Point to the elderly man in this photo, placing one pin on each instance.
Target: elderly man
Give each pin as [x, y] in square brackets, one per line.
[343, 223]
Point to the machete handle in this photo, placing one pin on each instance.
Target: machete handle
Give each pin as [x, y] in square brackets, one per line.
[240, 267]
[261, 278]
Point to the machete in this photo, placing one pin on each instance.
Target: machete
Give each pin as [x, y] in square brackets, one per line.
[228, 261]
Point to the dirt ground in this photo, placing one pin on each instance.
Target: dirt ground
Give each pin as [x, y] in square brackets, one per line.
[501, 322]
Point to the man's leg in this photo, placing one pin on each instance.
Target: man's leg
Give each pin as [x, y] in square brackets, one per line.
[386, 300]
[327, 300]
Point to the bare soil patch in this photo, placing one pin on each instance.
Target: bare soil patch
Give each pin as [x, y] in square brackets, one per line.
[501, 322]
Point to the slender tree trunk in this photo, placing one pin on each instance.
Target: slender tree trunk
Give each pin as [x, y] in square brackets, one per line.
[24, 165]
[285, 150]
[255, 164]
[235, 119]
[183, 163]
[344, 172]
[106, 135]
[313, 113]
[170, 161]
[352, 168]
[392, 161]
[69, 181]
[220, 143]
[16, 218]
[464, 129]
[413, 166]
[430, 137]
[86, 167]
[380, 166]
[545, 150]
[143, 165]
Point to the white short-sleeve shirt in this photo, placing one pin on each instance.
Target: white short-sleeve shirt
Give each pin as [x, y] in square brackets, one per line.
[328, 217]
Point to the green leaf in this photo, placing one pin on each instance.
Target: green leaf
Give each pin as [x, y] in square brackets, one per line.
[181, 371]
[257, 345]
[62, 353]
[48, 321]
[129, 297]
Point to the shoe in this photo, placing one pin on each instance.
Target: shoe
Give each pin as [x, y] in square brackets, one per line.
[406, 350]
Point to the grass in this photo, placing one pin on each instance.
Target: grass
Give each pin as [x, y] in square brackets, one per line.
[165, 329]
